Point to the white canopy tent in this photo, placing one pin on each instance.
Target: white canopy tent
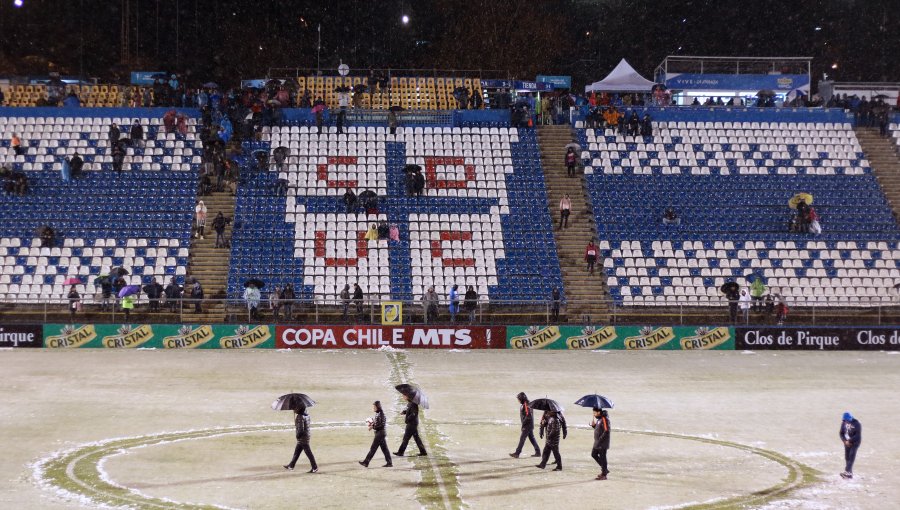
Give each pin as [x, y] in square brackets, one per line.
[622, 79]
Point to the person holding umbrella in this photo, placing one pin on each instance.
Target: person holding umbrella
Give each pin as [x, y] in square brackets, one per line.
[74, 302]
[378, 424]
[550, 424]
[128, 305]
[301, 421]
[412, 424]
[526, 416]
[600, 424]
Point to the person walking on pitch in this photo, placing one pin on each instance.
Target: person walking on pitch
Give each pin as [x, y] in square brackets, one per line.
[412, 428]
[301, 420]
[851, 436]
[378, 424]
[526, 416]
[550, 424]
[600, 424]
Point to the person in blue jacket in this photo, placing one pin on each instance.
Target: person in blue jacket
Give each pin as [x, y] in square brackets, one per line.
[851, 436]
[454, 302]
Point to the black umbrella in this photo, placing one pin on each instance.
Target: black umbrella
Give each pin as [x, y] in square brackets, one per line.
[415, 394]
[292, 401]
[255, 282]
[880, 96]
[766, 93]
[120, 271]
[412, 169]
[730, 288]
[546, 404]
[595, 401]
[396, 108]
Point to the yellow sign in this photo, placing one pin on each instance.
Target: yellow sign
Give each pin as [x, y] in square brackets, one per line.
[391, 313]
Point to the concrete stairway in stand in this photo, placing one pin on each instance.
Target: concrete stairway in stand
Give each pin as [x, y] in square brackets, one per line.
[585, 295]
[882, 155]
[209, 264]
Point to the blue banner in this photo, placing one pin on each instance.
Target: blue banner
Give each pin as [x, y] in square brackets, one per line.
[143, 77]
[776, 82]
[516, 85]
[559, 82]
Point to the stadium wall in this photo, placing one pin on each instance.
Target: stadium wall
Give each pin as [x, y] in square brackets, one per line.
[53, 111]
[534, 337]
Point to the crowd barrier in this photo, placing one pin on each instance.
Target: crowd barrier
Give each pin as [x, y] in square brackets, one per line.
[449, 337]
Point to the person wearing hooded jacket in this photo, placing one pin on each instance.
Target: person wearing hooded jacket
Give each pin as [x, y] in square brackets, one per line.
[301, 421]
[851, 436]
[378, 424]
[411, 414]
[600, 424]
[526, 416]
[551, 425]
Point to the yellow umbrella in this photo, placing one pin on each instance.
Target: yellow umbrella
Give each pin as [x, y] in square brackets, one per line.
[806, 197]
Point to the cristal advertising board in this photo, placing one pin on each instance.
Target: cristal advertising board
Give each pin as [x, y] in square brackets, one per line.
[158, 336]
[619, 337]
[17, 335]
[710, 81]
[818, 339]
[399, 337]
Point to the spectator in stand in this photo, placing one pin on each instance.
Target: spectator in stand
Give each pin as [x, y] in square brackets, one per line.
[197, 295]
[670, 217]
[127, 305]
[744, 304]
[430, 304]
[76, 164]
[419, 183]
[287, 300]
[770, 305]
[339, 120]
[611, 116]
[154, 292]
[392, 121]
[114, 134]
[646, 126]
[118, 158]
[384, 230]
[358, 299]
[74, 302]
[454, 303]
[173, 295]
[590, 256]
[571, 159]
[252, 297]
[281, 187]
[218, 225]
[757, 291]
[802, 216]
[476, 100]
[565, 208]
[105, 283]
[815, 227]
[16, 144]
[634, 124]
[71, 101]
[554, 310]
[345, 301]
[137, 134]
[781, 309]
[350, 201]
[200, 215]
[471, 301]
[732, 295]
[48, 237]
[275, 303]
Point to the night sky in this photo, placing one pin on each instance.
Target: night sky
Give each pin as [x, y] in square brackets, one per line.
[228, 40]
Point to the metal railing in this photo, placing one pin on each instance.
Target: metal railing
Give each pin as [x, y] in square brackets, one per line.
[328, 310]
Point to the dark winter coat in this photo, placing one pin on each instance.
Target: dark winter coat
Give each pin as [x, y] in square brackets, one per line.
[851, 430]
[412, 414]
[551, 428]
[136, 132]
[379, 424]
[113, 135]
[601, 432]
[471, 300]
[153, 290]
[526, 415]
[173, 291]
[301, 421]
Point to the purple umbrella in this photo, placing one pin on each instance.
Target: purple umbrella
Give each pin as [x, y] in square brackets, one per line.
[129, 290]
